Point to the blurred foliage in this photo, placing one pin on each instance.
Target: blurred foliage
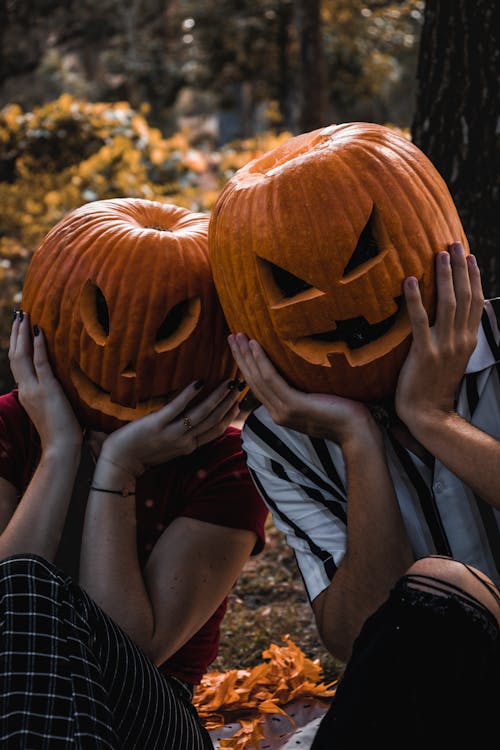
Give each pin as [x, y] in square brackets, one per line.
[69, 152]
[240, 54]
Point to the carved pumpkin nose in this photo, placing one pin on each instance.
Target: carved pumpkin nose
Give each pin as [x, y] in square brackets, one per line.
[124, 390]
[129, 371]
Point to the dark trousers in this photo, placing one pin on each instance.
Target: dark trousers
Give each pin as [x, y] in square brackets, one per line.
[70, 678]
[424, 673]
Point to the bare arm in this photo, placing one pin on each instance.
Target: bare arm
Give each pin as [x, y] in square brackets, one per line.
[431, 375]
[378, 550]
[36, 523]
[193, 565]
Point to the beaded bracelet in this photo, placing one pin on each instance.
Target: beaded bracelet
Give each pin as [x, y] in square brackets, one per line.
[123, 493]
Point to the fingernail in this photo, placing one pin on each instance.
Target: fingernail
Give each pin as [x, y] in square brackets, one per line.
[457, 248]
[411, 282]
[242, 384]
[472, 260]
[36, 330]
[21, 315]
[14, 316]
[232, 384]
[199, 384]
[444, 258]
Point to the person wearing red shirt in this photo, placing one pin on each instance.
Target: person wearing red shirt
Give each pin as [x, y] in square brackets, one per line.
[107, 655]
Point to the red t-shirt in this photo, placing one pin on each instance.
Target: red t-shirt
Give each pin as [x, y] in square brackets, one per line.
[212, 484]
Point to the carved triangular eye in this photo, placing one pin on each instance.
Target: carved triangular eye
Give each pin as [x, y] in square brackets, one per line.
[288, 284]
[178, 324]
[366, 248]
[102, 310]
[173, 320]
[94, 311]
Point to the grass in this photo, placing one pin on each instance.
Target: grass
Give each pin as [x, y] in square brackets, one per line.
[267, 603]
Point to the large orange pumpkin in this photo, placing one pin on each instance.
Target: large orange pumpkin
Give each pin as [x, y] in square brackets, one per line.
[124, 293]
[310, 244]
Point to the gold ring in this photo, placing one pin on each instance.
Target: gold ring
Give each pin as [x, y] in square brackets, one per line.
[187, 424]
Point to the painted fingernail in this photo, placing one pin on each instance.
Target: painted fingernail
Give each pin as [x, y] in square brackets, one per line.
[242, 384]
[36, 330]
[457, 248]
[199, 384]
[21, 315]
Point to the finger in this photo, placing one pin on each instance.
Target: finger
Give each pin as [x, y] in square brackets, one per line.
[41, 362]
[446, 301]
[277, 386]
[14, 333]
[178, 405]
[417, 313]
[257, 369]
[461, 286]
[22, 358]
[215, 405]
[244, 358]
[218, 429]
[477, 301]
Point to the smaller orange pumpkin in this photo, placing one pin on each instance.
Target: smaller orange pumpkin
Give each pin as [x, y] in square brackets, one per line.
[124, 294]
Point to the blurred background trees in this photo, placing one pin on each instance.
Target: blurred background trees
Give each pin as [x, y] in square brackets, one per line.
[251, 63]
[457, 117]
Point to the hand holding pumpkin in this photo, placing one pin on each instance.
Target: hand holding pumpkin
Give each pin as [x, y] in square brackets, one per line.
[40, 393]
[439, 353]
[175, 430]
[316, 414]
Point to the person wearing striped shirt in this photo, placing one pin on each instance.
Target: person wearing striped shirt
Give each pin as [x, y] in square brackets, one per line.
[394, 520]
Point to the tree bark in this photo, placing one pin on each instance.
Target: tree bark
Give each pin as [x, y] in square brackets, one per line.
[312, 67]
[457, 118]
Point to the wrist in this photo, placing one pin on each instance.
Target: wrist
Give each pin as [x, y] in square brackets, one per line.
[118, 466]
[426, 422]
[68, 453]
[364, 438]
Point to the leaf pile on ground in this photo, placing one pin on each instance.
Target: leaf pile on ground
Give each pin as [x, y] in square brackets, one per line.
[245, 695]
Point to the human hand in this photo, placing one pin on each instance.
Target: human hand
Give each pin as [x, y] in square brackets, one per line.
[40, 393]
[438, 355]
[175, 430]
[315, 414]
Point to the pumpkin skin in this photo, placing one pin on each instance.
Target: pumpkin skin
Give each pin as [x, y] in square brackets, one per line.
[310, 244]
[124, 294]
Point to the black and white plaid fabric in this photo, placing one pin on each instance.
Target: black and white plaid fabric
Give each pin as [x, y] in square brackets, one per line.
[71, 678]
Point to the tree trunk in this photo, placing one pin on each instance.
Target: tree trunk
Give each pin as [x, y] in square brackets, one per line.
[285, 18]
[312, 68]
[457, 119]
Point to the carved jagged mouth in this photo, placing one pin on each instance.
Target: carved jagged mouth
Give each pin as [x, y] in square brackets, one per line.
[100, 400]
[357, 332]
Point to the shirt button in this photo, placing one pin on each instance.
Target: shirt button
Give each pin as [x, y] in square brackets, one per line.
[438, 487]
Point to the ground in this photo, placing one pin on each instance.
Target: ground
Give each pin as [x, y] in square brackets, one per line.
[267, 603]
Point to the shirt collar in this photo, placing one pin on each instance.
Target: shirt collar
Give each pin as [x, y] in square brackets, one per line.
[482, 356]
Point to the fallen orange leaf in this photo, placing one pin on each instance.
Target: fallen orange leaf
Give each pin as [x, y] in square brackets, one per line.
[245, 695]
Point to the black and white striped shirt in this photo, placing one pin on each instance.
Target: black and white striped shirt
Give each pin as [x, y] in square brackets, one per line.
[302, 480]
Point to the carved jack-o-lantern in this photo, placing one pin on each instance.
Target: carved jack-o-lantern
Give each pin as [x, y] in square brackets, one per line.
[310, 244]
[124, 294]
